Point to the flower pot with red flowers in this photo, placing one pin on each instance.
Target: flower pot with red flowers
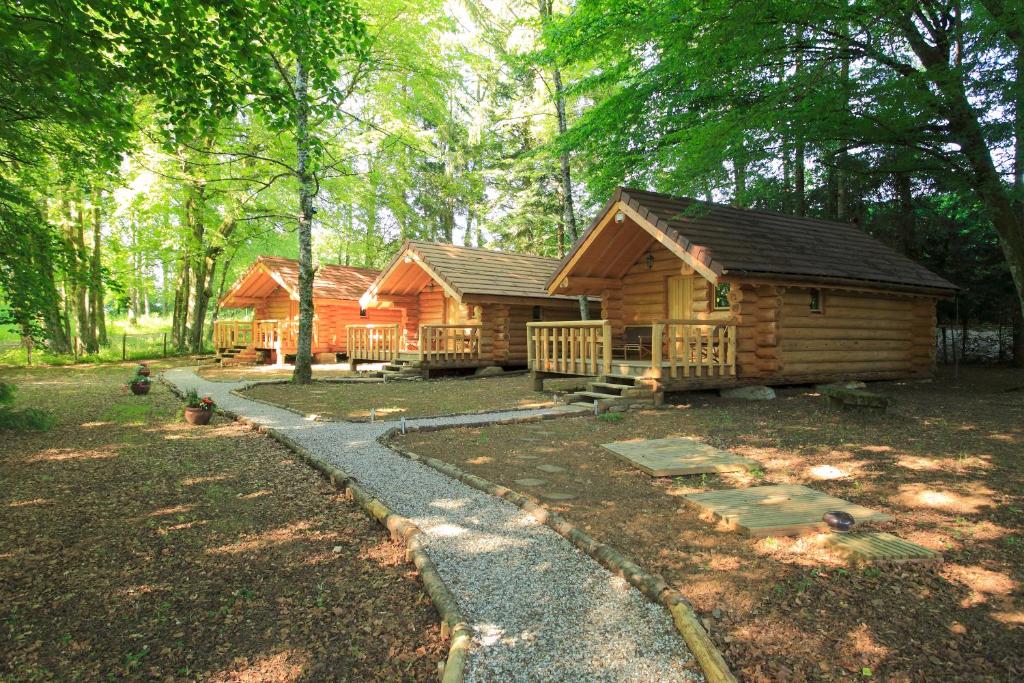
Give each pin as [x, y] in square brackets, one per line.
[198, 411]
[142, 370]
[139, 384]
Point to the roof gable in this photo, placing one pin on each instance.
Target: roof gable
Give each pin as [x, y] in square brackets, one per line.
[330, 281]
[721, 241]
[465, 271]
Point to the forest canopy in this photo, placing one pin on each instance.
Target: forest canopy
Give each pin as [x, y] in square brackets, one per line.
[150, 150]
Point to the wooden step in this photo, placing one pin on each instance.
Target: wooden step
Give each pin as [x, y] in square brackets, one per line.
[610, 386]
[618, 379]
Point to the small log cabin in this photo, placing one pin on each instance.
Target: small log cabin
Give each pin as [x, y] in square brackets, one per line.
[463, 307]
[270, 287]
[700, 295]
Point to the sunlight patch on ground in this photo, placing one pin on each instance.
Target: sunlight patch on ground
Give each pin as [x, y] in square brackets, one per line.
[181, 527]
[924, 496]
[984, 584]
[176, 510]
[826, 472]
[876, 449]
[256, 494]
[32, 501]
[280, 536]
[192, 481]
[284, 667]
[480, 460]
[64, 454]
[1010, 618]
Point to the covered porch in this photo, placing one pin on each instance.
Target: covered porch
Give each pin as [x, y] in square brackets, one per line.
[665, 352]
[254, 340]
[432, 345]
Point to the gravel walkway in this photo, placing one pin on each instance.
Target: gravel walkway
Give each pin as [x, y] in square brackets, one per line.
[541, 610]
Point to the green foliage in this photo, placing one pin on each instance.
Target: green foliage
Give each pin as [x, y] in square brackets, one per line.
[611, 417]
[25, 419]
[191, 397]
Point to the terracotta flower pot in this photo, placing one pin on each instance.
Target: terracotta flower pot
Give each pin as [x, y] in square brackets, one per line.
[198, 416]
[143, 370]
[139, 388]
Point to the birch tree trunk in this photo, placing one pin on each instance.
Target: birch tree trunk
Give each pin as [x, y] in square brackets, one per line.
[303, 356]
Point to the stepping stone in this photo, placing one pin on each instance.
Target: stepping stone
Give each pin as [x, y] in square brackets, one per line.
[556, 497]
[781, 510]
[677, 457]
[879, 547]
[530, 482]
[551, 469]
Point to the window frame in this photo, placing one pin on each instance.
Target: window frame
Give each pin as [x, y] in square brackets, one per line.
[714, 296]
[363, 313]
[817, 293]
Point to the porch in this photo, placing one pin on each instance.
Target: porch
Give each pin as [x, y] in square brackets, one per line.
[667, 352]
[441, 346]
[238, 341]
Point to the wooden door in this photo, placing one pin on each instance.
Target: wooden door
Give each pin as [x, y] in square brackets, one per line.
[680, 297]
[680, 307]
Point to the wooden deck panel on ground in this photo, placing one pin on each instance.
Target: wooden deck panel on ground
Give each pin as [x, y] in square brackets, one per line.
[779, 510]
[678, 457]
[879, 547]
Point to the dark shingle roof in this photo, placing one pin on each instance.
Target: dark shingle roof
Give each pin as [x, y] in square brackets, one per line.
[746, 242]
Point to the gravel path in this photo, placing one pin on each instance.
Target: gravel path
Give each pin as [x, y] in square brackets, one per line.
[541, 610]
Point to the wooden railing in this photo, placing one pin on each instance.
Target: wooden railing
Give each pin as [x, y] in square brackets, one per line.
[694, 348]
[444, 343]
[281, 335]
[373, 342]
[231, 333]
[582, 347]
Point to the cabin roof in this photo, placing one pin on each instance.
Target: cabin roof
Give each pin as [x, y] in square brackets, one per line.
[719, 240]
[465, 271]
[268, 273]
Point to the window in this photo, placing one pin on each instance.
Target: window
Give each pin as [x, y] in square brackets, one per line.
[537, 314]
[362, 312]
[817, 305]
[722, 297]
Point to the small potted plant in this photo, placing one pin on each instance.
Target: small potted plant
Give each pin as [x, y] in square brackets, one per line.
[198, 411]
[143, 370]
[139, 384]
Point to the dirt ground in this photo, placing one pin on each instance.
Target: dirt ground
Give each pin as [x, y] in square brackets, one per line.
[136, 547]
[947, 463]
[395, 400]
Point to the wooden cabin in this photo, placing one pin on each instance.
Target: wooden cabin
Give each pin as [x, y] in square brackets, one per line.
[463, 307]
[270, 287]
[700, 295]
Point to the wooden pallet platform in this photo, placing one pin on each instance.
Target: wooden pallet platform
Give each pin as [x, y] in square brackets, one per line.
[678, 457]
[879, 547]
[779, 510]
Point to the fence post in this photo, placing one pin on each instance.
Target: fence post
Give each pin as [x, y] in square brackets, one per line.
[124, 346]
[165, 345]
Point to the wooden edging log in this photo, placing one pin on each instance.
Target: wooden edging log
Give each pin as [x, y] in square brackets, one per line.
[654, 587]
[453, 624]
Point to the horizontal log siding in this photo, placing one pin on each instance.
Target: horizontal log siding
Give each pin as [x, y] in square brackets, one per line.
[858, 335]
[333, 318]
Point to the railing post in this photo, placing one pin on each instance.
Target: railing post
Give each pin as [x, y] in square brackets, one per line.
[529, 345]
[394, 341]
[606, 328]
[657, 340]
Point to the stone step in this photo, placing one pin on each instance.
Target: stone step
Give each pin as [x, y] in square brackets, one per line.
[608, 387]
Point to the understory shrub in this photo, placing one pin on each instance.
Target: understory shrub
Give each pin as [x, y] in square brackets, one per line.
[24, 420]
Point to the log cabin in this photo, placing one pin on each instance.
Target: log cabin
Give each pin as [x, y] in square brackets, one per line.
[700, 295]
[464, 307]
[270, 287]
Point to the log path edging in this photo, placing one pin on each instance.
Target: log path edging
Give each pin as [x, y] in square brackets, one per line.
[653, 586]
[453, 625]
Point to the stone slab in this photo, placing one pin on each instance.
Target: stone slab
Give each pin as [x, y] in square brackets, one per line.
[879, 547]
[529, 482]
[779, 510]
[677, 457]
[556, 496]
[550, 469]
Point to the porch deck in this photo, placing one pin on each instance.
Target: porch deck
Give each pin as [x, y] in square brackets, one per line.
[683, 353]
[438, 346]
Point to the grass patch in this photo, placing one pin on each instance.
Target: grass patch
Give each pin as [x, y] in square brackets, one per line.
[136, 547]
[395, 400]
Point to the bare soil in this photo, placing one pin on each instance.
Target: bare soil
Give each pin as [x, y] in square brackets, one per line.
[136, 547]
[947, 463]
[239, 373]
[395, 400]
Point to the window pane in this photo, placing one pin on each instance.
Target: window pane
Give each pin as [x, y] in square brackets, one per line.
[722, 296]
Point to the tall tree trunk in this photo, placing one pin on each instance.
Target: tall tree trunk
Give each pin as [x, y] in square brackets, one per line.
[96, 294]
[53, 322]
[907, 220]
[303, 357]
[220, 293]
[85, 327]
[181, 297]
[568, 211]
[739, 164]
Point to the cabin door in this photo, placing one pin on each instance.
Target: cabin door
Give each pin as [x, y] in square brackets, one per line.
[680, 307]
[680, 296]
